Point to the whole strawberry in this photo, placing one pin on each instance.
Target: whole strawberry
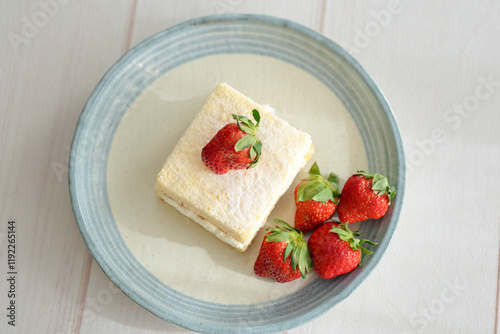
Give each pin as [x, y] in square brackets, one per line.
[283, 254]
[335, 250]
[316, 199]
[365, 196]
[235, 146]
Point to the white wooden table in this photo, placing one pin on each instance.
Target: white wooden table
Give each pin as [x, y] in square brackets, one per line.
[438, 63]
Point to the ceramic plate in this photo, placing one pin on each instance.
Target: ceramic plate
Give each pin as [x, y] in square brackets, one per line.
[140, 109]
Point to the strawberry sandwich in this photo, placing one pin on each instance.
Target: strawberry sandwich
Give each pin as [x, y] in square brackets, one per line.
[227, 172]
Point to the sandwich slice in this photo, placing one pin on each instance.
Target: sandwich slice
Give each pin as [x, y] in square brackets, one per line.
[235, 205]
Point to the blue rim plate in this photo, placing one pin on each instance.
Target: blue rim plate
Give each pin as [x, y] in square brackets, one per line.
[212, 35]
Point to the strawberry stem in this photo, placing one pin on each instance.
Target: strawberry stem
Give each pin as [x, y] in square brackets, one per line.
[318, 188]
[380, 184]
[296, 248]
[346, 234]
[250, 140]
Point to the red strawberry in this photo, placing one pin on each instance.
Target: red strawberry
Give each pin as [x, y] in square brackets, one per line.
[282, 251]
[235, 146]
[335, 250]
[316, 199]
[365, 196]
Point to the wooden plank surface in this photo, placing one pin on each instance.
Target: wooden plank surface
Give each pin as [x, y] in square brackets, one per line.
[46, 80]
[428, 58]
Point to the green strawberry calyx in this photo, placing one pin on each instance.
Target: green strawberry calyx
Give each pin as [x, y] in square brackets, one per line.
[380, 184]
[296, 248]
[250, 140]
[346, 234]
[319, 189]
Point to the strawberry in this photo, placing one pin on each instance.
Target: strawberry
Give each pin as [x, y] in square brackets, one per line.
[282, 252]
[316, 199]
[365, 196]
[235, 146]
[335, 250]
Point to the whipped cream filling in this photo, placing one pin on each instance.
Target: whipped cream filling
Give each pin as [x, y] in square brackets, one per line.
[206, 224]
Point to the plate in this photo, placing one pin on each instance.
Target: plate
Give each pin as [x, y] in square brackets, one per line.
[142, 106]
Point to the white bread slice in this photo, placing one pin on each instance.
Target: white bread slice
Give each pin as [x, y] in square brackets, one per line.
[235, 205]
